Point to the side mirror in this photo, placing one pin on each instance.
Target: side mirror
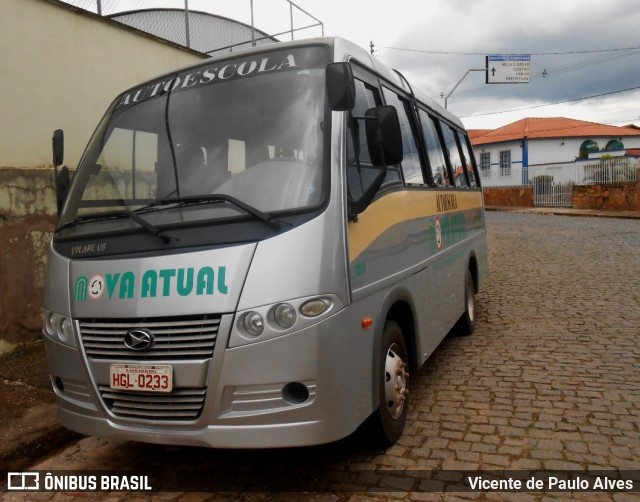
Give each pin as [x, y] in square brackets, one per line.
[62, 180]
[58, 147]
[384, 136]
[341, 87]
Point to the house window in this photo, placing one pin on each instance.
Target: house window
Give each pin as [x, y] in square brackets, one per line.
[485, 164]
[505, 163]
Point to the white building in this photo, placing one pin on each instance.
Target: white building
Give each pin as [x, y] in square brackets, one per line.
[507, 155]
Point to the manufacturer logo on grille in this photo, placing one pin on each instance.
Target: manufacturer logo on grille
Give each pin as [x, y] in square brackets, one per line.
[138, 339]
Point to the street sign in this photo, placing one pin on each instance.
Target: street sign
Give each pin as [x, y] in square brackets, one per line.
[508, 69]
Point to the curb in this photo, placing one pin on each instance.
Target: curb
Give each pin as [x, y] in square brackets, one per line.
[29, 424]
[595, 213]
[25, 452]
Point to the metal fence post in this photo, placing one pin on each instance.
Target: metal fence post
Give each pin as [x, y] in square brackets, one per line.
[291, 18]
[186, 22]
[253, 29]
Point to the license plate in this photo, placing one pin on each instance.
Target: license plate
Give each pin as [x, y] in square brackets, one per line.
[141, 377]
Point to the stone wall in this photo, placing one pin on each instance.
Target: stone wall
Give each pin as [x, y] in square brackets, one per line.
[622, 197]
[619, 197]
[516, 196]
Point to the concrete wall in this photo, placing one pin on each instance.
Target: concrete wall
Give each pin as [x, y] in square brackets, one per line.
[549, 151]
[27, 220]
[60, 68]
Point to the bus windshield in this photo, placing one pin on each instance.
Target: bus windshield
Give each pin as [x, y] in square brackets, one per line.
[252, 129]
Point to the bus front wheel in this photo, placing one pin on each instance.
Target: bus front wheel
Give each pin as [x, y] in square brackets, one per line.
[393, 388]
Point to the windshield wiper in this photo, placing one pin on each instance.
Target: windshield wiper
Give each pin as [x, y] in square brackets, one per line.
[152, 229]
[189, 200]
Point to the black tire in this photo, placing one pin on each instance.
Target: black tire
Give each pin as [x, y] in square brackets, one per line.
[466, 325]
[390, 418]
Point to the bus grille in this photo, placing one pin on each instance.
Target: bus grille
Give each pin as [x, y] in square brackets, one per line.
[180, 404]
[173, 338]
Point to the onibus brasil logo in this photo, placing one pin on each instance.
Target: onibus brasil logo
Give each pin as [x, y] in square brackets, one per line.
[153, 283]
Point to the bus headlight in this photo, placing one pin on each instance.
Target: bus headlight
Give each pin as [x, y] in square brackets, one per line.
[59, 327]
[265, 322]
[284, 315]
[253, 323]
[314, 307]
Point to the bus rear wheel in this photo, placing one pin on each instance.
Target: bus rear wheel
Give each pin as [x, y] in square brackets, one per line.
[467, 323]
[393, 391]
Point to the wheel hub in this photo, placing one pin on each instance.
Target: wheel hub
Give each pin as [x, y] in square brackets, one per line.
[395, 385]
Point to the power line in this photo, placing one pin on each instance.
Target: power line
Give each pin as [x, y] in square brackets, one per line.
[626, 121]
[587, 63]
[460, 53]
[551, 104]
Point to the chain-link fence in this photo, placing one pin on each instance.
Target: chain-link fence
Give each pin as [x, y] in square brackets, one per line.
[210, 26]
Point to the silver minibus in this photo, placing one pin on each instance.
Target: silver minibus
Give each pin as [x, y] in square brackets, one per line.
[258, 250]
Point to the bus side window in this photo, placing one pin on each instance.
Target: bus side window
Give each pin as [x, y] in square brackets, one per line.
[468, 155]
[435, 154]
[411, 167]
[358, 180]
[455, 157]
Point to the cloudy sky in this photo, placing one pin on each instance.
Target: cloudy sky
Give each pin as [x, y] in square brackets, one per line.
[585, 54]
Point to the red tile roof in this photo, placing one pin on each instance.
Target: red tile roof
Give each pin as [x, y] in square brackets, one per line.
[474, 133]
[542, 128]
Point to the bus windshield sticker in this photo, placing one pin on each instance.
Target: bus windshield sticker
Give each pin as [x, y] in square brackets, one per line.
[224, 71]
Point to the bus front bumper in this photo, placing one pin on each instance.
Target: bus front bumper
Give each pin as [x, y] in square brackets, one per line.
[304, 388]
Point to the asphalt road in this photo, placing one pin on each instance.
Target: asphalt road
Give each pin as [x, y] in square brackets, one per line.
[549, 381]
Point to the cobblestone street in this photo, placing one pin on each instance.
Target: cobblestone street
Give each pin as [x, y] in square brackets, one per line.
[552, 380]
[549, 381]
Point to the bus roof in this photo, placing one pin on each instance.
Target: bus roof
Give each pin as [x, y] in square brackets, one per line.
[343, 50]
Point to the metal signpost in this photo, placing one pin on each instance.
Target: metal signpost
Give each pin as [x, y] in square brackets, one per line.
[508, 69]
[502, 69]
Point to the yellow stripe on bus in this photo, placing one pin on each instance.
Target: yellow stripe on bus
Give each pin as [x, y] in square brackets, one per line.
[396, 207]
